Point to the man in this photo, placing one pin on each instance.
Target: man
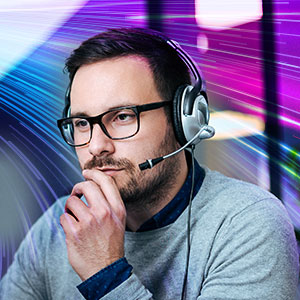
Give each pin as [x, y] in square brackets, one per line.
[121, 234]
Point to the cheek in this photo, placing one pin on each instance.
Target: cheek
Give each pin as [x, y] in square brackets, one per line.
[153, 131]
[83, 155]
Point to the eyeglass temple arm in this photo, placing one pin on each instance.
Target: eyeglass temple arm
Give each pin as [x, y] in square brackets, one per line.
[151, 106]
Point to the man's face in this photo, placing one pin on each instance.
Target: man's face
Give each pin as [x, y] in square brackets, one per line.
[123, 81]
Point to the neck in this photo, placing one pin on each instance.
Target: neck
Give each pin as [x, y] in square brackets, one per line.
[139, 214]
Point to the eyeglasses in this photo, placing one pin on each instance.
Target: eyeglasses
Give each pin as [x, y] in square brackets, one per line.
[118, 124]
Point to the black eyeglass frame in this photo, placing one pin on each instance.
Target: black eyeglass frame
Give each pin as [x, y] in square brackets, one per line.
[137, 109]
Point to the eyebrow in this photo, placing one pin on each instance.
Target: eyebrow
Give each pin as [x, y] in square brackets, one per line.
[79, 114]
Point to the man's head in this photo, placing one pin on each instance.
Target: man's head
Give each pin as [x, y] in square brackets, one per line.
[129, 67]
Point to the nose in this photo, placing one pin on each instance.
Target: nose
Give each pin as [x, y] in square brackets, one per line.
[100, 144]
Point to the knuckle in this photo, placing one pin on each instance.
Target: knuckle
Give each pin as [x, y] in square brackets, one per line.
[76, 232]
[90, 219]
[105, 213]
[77, 186]
[71, 204]
[88, 185]
[70, 200]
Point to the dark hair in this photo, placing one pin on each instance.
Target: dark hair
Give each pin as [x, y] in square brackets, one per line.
[169, 71]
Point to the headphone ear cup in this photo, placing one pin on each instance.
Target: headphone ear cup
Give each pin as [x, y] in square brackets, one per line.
[66, 110]
[180, 136]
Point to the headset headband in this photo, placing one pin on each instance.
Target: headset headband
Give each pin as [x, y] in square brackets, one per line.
[186, 59]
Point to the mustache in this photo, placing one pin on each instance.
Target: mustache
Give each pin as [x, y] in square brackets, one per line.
[98, 162]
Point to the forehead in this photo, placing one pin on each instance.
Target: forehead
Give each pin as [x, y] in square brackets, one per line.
[110, 83]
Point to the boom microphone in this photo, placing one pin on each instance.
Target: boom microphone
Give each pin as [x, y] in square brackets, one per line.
[205, 133]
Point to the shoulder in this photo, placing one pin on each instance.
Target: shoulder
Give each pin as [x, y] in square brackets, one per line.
[233, 195]
[248, 234]
[49, 221]
[31, 263]
[228, 207]
[45, 231]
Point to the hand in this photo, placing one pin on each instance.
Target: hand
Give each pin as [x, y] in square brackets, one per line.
[94, 232]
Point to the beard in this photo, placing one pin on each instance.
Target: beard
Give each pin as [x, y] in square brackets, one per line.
[144, 188]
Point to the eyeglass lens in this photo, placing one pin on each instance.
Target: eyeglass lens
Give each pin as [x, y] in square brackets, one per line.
[118, 124]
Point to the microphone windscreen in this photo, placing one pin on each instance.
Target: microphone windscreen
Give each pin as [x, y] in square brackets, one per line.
[145, 165]
[150, 163]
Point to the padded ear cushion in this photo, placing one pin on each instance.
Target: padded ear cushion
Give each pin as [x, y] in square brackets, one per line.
[177, 115]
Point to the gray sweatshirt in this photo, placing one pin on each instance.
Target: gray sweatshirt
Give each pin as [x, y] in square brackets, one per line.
[242, 247]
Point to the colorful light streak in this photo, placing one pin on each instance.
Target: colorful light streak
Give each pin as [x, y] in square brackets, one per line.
[36, 166]
[27, 24]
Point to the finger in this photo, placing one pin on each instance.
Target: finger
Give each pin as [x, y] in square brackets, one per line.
[92, 194]
[108, 188]
[68, 223]
[76, 208]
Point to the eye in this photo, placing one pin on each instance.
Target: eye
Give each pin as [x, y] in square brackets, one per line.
[81, 123]
[124, 117]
